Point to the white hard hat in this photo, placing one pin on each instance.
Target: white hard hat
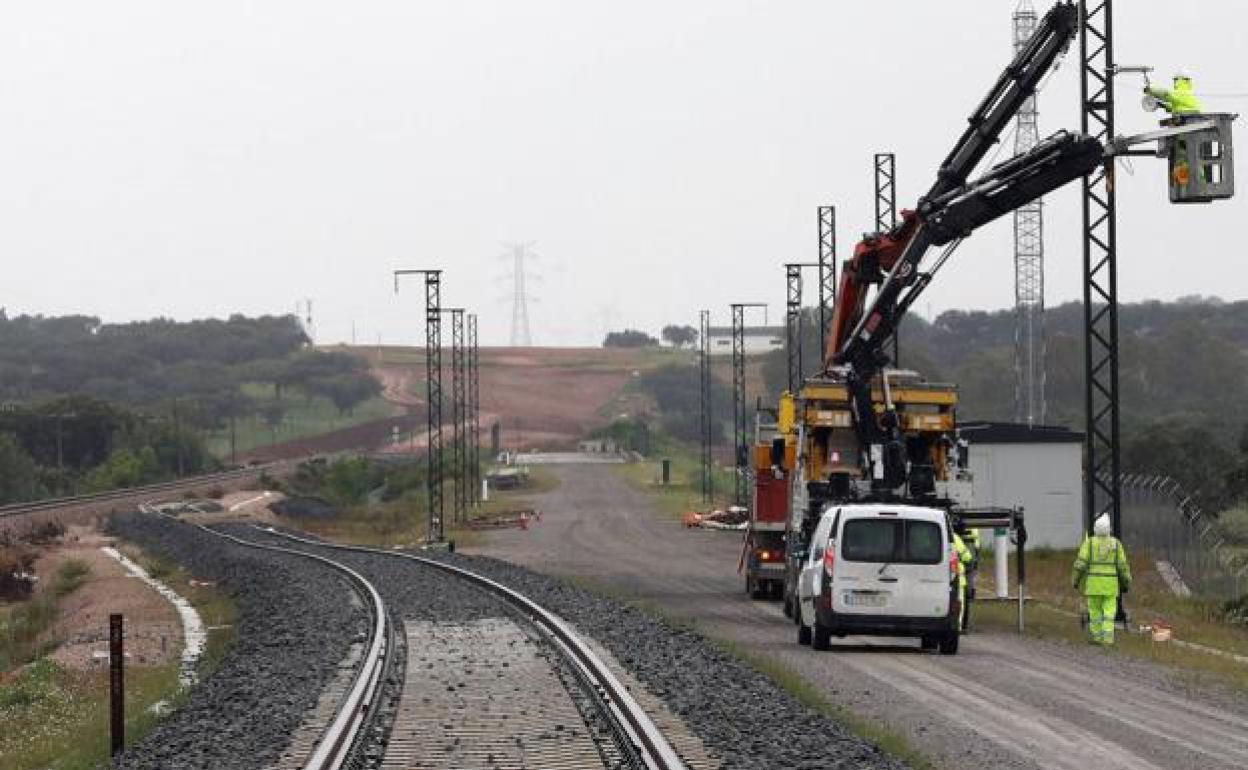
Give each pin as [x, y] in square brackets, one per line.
[1182, 73]
[1102, 525]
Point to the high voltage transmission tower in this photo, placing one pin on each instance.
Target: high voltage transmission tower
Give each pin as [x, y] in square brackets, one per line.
[520, 334]
[1028, 259]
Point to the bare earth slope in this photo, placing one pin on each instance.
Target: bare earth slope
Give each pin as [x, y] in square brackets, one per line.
[1002, 702]
[543, 397]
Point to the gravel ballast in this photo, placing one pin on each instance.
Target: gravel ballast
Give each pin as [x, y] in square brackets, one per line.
[738, 712]
[295, 622]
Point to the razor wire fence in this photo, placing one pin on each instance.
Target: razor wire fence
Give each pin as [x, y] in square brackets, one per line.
[1168, 522]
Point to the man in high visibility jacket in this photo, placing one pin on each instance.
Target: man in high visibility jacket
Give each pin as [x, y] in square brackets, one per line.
[964, 561]
[1181, 100]
[1101, 572]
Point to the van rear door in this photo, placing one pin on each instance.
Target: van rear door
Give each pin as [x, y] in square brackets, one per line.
[890, 564]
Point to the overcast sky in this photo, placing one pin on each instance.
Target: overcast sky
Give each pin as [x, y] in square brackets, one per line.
[198, 159]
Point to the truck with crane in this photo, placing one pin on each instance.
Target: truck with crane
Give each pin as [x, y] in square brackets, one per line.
[859, 431]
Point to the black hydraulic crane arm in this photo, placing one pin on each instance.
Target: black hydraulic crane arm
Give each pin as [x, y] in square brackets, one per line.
[952, 208]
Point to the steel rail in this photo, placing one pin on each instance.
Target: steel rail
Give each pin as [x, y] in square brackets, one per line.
[650, 743]
[17, 509]
[335, 747]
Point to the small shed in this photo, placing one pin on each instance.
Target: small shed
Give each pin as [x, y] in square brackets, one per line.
[1038, 467]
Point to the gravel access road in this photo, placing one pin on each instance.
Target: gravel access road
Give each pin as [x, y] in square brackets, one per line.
[1003, 701]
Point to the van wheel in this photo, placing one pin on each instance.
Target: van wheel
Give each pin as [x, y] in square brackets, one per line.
[927, 643]
[949, 645]
[822, 636]
[803, 630]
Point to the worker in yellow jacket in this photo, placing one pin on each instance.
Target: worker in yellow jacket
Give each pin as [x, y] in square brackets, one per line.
[1101, 572]
[1180, 100]
[964, 563]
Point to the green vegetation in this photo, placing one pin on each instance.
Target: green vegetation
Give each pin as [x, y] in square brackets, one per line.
[629, 338]
[296, 415]
[24, 626]
[88, 406]
[1055, 616]
[57, 719]
[384, 503]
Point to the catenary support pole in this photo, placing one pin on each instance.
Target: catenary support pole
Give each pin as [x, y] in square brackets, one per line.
[707, 424]
[433, 393]
[886, 216]
[741, 422]
[827, 272]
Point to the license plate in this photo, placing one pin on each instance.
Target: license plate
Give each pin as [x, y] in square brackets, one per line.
[866, 599]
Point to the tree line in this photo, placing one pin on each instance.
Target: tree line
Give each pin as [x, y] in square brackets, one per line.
[86, 405]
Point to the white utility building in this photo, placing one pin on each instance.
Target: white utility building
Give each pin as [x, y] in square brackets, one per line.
[757, 340]
[1037, 467]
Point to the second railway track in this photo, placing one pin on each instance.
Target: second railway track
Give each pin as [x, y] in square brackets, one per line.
[520, 691]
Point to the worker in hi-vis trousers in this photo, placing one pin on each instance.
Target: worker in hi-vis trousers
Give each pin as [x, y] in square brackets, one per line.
[964, 563]
[1101, 572]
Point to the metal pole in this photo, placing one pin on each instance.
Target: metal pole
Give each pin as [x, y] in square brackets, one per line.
[886, 217]
[474, 409]
[433, 392]
[1102, 480]
[827, 272]
[741, 425]
[708, 417]
[793, 324]
[738, 403]
[116, 684]
[459, 412]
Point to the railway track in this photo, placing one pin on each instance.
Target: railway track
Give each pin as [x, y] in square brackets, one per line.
[328, 738]
[138, 494]
[494, 693]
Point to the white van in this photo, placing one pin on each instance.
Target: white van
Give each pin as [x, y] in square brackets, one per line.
[880, 569]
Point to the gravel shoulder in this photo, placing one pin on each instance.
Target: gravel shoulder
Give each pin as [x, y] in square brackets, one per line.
[295, 624]
[740, 716]
[1004, 701]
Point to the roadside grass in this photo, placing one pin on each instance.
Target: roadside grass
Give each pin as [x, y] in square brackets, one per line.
[305, 416]
[684, 492]
[58, 719]
[23, 626]
[1054, 616]
[782, 676]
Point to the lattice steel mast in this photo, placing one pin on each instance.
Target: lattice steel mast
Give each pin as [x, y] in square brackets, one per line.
[520, 334]
[827, 272]
[1029, 350]
[708, 434]
[433, 392]
[886, 216]
[459, 412]
[1103, 477]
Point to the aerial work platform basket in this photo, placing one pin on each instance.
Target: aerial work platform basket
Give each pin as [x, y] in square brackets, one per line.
[1201, 162]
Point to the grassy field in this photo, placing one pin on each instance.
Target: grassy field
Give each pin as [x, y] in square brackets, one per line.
[304, 417]
[684, 493]
[55, 718]
[405, 522]
[1054, 617]
[23, 625]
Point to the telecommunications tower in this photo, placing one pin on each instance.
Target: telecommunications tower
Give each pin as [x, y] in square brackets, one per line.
[1028, 259]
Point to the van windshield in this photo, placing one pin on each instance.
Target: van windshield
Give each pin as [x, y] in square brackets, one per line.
[897, 541]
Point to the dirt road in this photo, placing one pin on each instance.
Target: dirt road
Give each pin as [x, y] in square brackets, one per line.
[1002, 702]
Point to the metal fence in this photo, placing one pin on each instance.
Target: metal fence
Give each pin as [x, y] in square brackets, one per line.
[1167, 522]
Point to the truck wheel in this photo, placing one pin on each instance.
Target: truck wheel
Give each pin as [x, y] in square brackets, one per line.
[822, 636]
[757, 589]
[949, 645]
[777, 589]
[788, 608]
